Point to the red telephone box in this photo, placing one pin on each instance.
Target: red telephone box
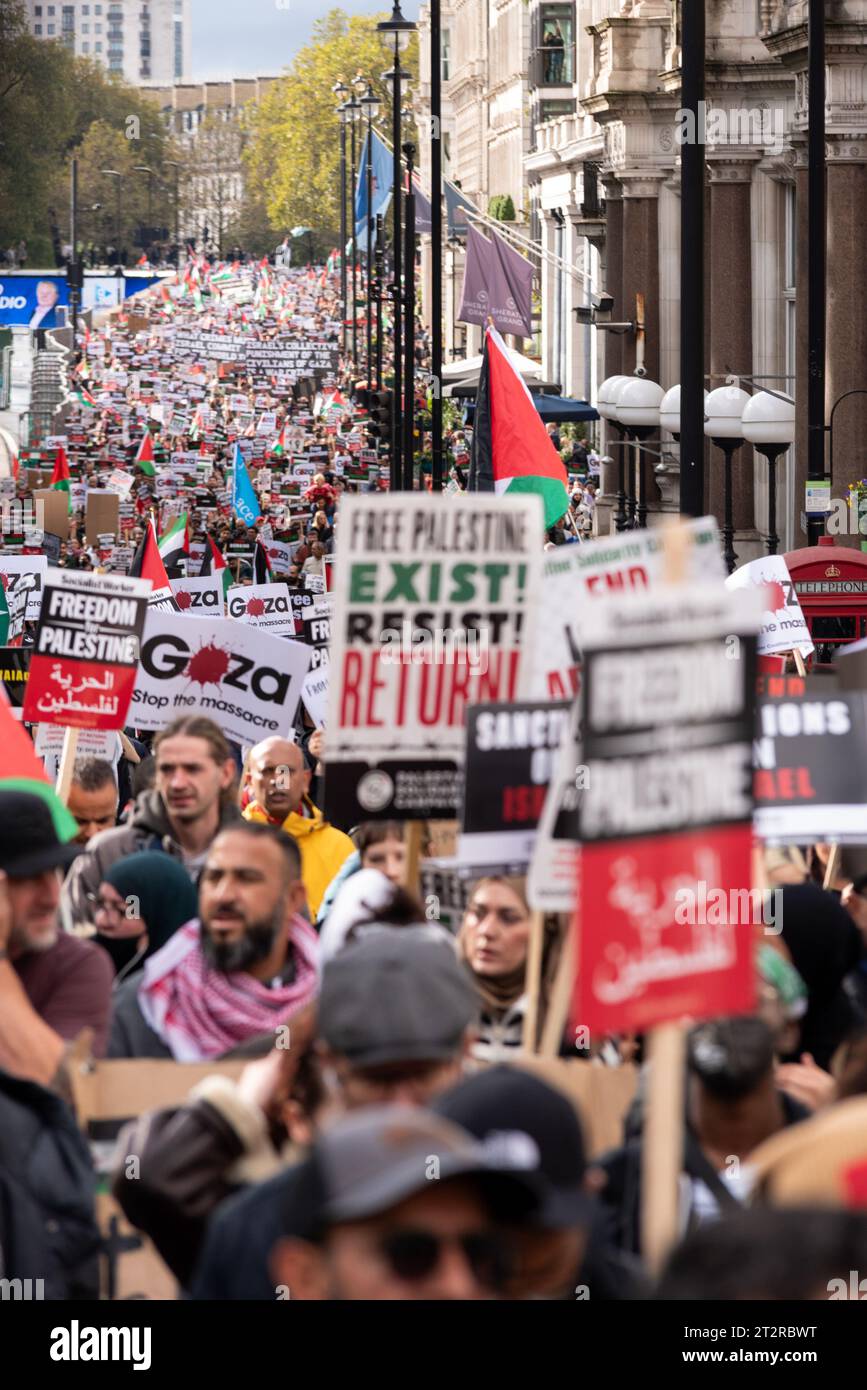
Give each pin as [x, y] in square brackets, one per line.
[831, 584]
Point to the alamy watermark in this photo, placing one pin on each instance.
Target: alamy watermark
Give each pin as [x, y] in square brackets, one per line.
[762, 125]
[409, 646]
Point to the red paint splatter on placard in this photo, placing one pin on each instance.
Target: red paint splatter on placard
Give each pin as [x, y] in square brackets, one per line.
[774, 597]
[183, 599]
[256, 607]
[209, 665]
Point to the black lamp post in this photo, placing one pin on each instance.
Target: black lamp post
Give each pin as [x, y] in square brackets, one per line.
[397, 30]
[409, 327]
[340, 90]
[436, 245]
[173, 164]
[370, 106]
[353, 111]
[723, 425]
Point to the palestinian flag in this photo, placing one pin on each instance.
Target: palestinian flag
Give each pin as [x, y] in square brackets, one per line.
[147, 563]
[278, 448]
[60, 476]
[214, 562]
[261, 565]
[511, 450]
[174, 544]
[84, 396]
[144, 458]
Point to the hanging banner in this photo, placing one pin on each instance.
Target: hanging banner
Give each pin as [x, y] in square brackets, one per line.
[247, 680]
[429, 607]
[84, 661]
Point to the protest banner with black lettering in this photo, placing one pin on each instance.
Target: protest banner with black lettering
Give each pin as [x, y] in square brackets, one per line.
[511, 751]
[84, 660]
[625, 563]
[666, 914]
[32, 565]
[201, 598]
[14, 674]
[265, 606]
[811, 764]
[784, 628]
[245, 679]
[429, 607]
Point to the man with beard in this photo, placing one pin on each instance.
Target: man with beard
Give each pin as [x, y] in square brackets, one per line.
[245, 968]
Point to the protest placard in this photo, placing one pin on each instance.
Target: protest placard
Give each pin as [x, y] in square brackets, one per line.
[784, 628]
[265, 606]
[429, 602]
[510, 754]
[201, 598]
[665, 808]
[87, 645]
[247, 680]
[33, 566]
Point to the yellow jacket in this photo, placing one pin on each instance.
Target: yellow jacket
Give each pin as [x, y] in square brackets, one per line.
[323, 847]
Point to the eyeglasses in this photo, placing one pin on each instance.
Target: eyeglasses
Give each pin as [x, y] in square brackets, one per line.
[414, 1255]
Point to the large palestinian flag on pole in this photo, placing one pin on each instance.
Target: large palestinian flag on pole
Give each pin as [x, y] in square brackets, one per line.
[174, 544]
[148, 564]
[511, 449]
[60, 476]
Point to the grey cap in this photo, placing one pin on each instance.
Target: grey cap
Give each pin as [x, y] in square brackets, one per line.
[395, 998]
[376, 1157]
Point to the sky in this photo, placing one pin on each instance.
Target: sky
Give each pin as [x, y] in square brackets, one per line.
[258, 38]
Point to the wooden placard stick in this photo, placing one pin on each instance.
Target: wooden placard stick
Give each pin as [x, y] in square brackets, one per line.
[799, 662]
[831, 867]
[561, 996]
[412, 838]
[67, 764]
[533, 980]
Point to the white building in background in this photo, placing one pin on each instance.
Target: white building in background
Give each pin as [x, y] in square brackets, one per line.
[143, 41]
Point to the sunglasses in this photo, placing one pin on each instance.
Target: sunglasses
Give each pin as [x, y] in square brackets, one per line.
[414, 1255]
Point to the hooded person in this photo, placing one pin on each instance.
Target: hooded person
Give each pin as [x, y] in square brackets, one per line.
[141, 903]
[825, 946]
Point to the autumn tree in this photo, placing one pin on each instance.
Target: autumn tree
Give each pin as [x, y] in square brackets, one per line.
[293, 157]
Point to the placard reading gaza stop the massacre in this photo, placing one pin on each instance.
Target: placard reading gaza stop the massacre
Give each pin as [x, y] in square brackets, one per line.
[84, 662]
[245, 679]
[430, 603]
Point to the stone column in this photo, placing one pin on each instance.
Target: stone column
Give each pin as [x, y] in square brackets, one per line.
[769, 353]
[548, 239]
[641, 276]
[846, 368]
[613, 279]
[731, 315]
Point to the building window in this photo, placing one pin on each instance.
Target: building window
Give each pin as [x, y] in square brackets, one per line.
[555, 46]
[85, 47]
[50, 11]
[37, 29]
[97, 48]
[446, 51]
[85, 28]
[549, 110]
[51, 29]
[97, 9]
[179, 50]
[85, 9]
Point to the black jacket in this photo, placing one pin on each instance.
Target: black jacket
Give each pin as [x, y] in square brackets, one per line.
[47, 1226]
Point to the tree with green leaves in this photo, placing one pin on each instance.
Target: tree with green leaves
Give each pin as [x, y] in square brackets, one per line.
[294, 154]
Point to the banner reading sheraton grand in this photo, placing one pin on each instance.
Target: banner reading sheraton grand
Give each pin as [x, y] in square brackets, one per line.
[430, 601]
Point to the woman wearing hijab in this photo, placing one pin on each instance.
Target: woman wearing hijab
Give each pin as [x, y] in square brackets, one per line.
[141, 902]
[493, 942]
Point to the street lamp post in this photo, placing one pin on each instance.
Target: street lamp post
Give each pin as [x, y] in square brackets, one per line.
[340, 91]
[606, 403]
[724, 410]
[397, 31]
[768, 422]
[638, 412]
[370, 106]
[409, 326]
[380, 272]
[353, 109]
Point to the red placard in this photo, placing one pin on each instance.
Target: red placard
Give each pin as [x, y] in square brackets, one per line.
[85, 695]
[666, 931]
